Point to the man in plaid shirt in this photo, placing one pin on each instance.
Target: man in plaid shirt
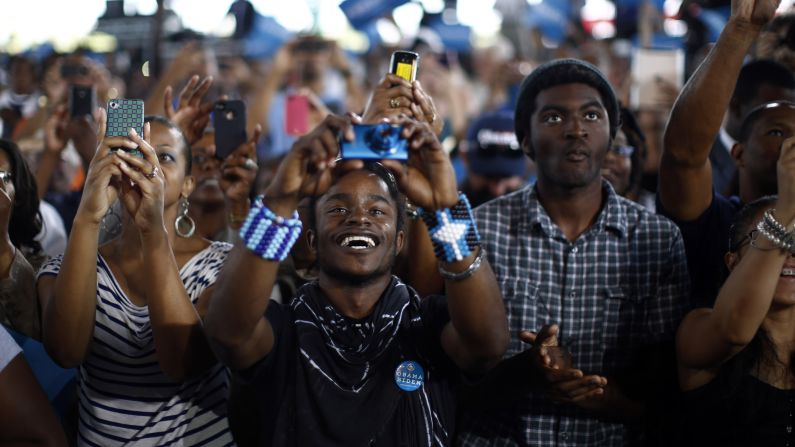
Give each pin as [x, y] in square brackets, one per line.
[596, 275]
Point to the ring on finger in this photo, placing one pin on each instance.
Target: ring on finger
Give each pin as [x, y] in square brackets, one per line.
[250, 164]
[394, 103]
[153, 174]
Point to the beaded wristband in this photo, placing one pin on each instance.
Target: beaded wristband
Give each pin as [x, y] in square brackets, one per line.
[774, 226]
[453, 230]
[784, 242]
[270, 236]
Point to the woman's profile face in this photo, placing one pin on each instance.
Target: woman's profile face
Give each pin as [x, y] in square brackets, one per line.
[7, 175]
[168, 145]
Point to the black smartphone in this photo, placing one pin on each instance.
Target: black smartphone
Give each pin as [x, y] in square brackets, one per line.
[123, 115]
[405, 64]
[82, 100]
[229, 121]
[375, 142]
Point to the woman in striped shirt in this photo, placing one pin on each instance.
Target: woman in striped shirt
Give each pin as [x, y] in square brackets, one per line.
[128, 313]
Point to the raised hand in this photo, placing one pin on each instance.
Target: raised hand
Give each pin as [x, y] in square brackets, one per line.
[392, 97]
[239, 170]
[754, 12]
[561, 382]
[306, 170]
[143, 193]
[103, 180]
[191, 115]
[428, 178]
[55, 137]
[424, 109]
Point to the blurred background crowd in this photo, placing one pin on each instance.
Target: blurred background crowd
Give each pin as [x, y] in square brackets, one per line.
[473, 56]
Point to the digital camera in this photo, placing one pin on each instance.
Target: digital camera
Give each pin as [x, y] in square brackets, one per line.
[375, 142]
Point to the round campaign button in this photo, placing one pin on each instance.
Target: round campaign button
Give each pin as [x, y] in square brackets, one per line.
[409, 376]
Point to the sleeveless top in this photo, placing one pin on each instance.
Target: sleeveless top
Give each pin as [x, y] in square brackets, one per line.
[124, 397]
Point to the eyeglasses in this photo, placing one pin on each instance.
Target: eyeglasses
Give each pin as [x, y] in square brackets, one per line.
[5, 176]
[623, 150]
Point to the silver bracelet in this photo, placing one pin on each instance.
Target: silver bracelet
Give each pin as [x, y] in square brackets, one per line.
[784, 242]
[460, 276]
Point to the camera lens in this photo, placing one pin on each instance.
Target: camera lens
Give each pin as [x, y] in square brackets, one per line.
[114, 105]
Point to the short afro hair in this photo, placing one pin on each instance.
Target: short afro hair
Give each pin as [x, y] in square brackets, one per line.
[559, 72]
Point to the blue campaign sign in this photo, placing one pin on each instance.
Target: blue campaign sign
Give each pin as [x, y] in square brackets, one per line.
[454, 37]
[362, 12]
[551, 17]
[265, 38]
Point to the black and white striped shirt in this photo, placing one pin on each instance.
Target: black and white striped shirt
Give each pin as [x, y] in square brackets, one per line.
[125, 399]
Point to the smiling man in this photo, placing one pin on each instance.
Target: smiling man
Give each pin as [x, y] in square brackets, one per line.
[356, 358]
[597, 276]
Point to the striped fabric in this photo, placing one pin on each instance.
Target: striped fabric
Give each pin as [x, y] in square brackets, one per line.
[125, 399]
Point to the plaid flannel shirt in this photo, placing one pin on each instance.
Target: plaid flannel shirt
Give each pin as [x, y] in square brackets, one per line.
[621, 285]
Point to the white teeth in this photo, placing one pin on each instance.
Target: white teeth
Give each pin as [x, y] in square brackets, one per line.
[788, 272]
[351, 240]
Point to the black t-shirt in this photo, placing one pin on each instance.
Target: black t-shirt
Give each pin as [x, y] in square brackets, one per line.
[706, 240]
[294, 395]
[737, 412]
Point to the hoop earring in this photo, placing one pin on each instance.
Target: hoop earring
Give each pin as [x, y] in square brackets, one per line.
[183, 220]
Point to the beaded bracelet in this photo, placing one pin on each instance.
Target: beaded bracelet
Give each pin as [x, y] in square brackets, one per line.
[453, 230]
[270, 236]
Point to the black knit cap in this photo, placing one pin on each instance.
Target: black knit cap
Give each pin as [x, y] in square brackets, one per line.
[559, 72]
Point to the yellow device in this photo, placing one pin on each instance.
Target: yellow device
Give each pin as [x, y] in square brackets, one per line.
[404, 64]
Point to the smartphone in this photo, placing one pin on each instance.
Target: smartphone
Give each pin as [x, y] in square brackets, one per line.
[229, 121]
[405, 64]
[649, 66]
[123, 115]
[82, 100]
[375, 142]
[296, 115]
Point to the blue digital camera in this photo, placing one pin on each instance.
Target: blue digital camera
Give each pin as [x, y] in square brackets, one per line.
[375, 142]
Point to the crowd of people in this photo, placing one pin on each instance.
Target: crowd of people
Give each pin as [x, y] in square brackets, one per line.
[547, 265]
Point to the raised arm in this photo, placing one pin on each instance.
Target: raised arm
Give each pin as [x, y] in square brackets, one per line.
[260, 107]
[685, 174]
[235, 324]
[477, 335]
[181, 348]
[68, 300]
[707, 338]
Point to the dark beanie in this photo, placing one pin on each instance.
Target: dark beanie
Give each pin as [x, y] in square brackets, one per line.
[558, 72]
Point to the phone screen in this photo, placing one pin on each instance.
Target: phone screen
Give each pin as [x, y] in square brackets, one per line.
[297, 115]
[404, 64]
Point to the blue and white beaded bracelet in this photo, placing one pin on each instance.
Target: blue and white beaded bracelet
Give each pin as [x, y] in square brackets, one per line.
[453, 231]
[269, 236]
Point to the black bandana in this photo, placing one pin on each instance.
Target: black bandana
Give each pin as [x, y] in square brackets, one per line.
[345, 391]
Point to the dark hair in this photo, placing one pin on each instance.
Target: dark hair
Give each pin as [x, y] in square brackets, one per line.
[637, 139]
[185, 144]
[560, 72]
[394, 192]
[755, 74]
[26, 222]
